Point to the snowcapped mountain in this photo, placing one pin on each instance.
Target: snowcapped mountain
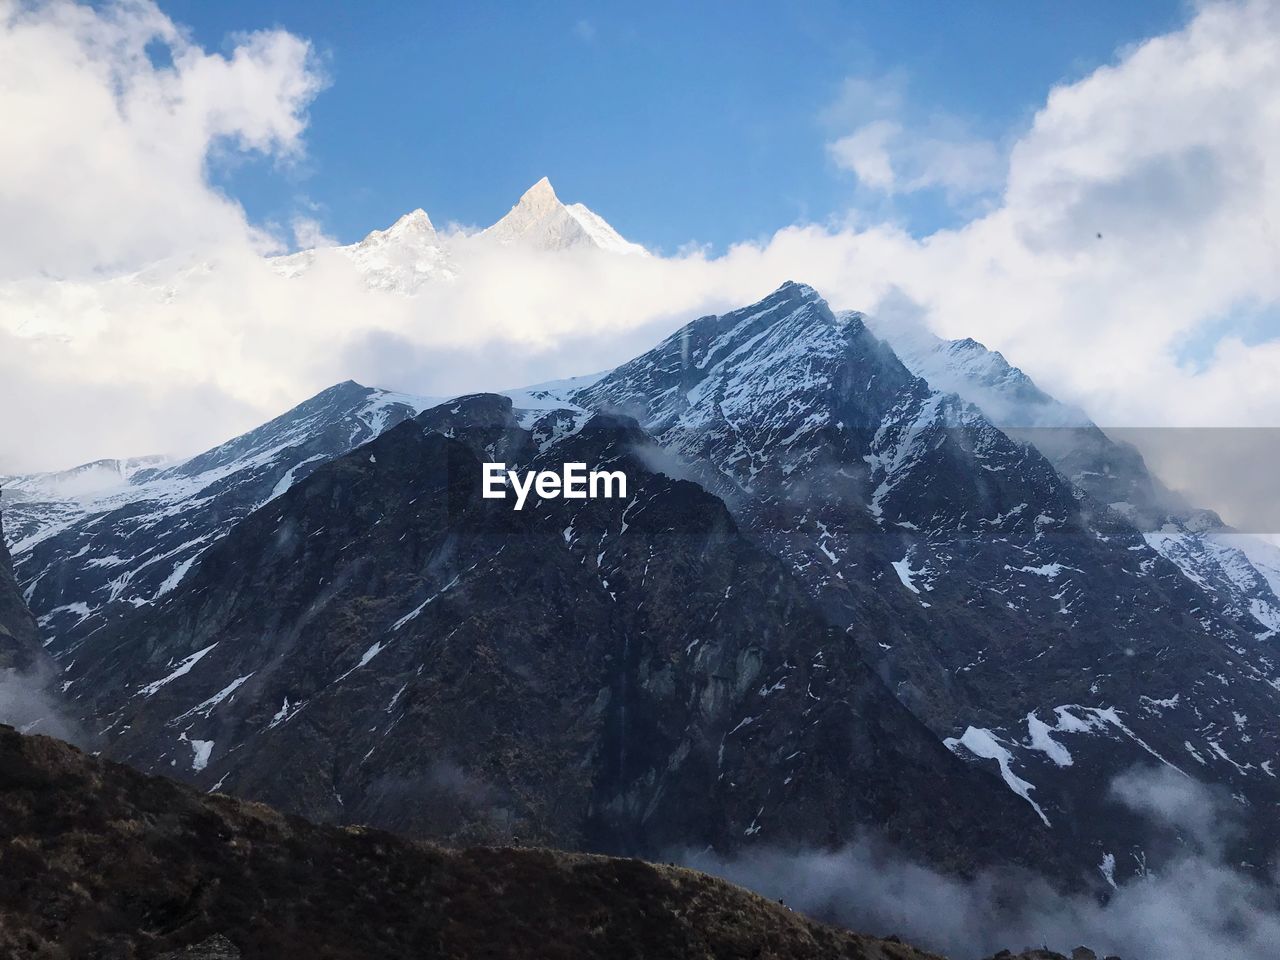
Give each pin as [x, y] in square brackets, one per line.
[1007, 396]
[540, 220]
[86, 479]
[401, 258]
[87, 551]
[411, 253]
[19, 638]
[1231, 567]
[1033, 628]
[44, 500]
[382, 645]
[996, 586]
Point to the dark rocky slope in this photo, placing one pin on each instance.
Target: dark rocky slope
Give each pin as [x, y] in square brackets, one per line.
[99, 861]
[89, 559]
[384, 646]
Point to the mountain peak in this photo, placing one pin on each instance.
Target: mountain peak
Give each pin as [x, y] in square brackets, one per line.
[409, 253]
[801, 288]
[415, 219]
[414, 225]
[541, 221]
[791, 290]
[541, 194]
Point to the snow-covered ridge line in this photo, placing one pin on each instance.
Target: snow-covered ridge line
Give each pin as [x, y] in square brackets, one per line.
[412, 253]
[134, 541]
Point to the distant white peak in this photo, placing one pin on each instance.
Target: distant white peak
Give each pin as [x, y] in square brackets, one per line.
[399, 259]
[416, 225]
[541, 196]
[541, 221]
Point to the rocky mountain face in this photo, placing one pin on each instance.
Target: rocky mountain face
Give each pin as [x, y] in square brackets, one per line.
[853, 569]
[1029, 625]
[383, 645]
[19, 638]
[1230, 566]
[101, 861]
[90, 554]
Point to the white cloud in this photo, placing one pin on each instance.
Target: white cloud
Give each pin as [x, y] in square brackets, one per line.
[884, 155]
[309, 233]
[103, 162]
[865, 152]
[892, 153]
[1195, 903]
[1168, 153]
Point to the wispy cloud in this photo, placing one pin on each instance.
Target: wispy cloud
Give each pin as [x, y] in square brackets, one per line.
[890, 152]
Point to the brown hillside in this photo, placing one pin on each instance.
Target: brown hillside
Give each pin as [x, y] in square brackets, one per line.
[100, 861]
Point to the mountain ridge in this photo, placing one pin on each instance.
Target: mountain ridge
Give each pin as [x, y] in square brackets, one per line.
[411, 253]
[1230, 565]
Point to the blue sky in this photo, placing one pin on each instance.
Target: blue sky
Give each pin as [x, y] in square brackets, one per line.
[679, 122]
[704, 123]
